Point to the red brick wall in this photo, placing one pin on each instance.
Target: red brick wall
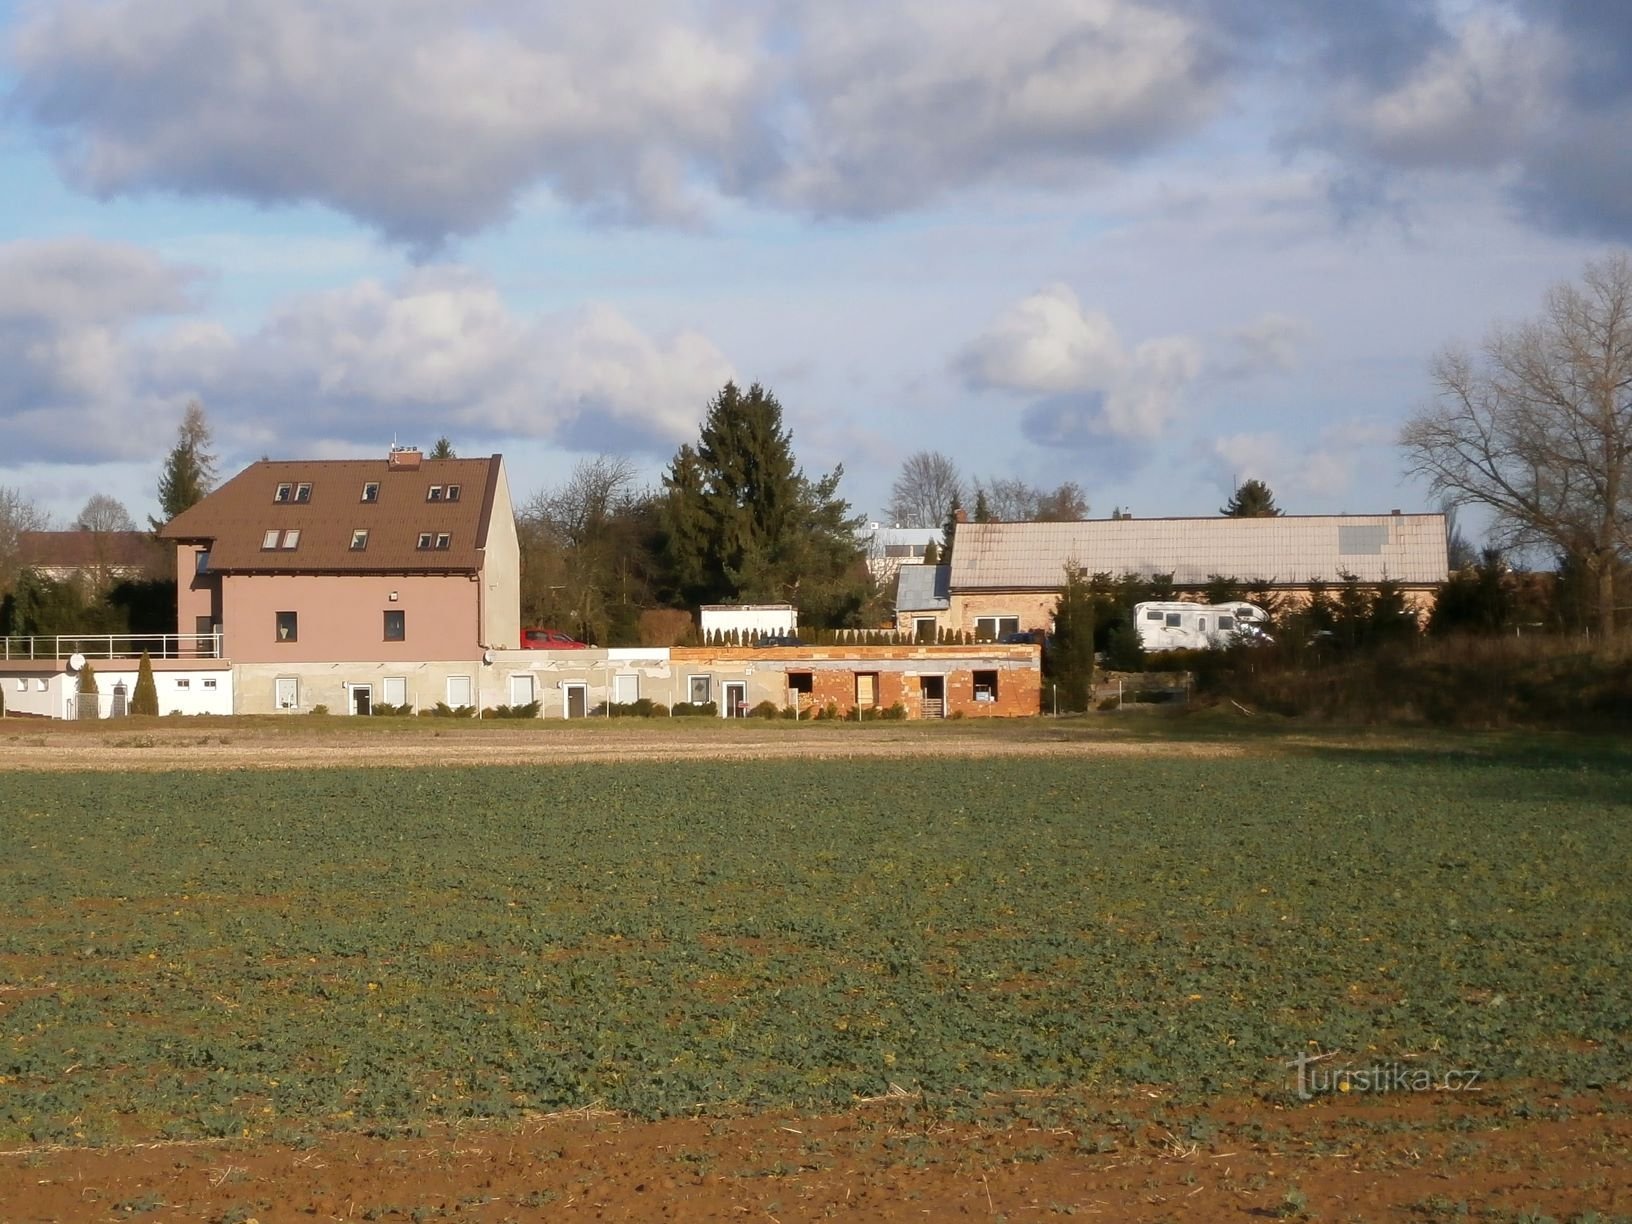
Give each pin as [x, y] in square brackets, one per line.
[834, 669]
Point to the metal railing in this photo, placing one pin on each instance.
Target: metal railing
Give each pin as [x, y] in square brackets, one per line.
[113, 646]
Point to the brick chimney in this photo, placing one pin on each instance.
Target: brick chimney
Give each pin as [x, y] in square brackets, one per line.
[403, 459]
[960, 515]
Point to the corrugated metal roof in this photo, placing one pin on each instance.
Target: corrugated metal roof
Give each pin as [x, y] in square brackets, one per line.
[1294, 549]
[237, 518]
[923, 588]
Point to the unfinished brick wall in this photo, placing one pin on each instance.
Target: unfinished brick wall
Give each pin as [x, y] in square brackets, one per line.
[898, 669]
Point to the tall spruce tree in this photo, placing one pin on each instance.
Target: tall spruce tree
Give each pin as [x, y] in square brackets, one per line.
[1251, 500]
[189, 469]
[743, 523]
[442, 450]
[1070, 657]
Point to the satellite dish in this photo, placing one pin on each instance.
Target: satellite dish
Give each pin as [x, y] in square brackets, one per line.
[487, 656]
[76, 662]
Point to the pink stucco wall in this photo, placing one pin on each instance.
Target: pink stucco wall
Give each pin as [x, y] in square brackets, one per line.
[341, 617]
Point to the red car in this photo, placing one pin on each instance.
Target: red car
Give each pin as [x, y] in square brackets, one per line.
[549, 639]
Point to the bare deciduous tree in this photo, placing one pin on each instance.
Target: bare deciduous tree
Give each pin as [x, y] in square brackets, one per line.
[102, 514]
[1540, 429]
[18, 514]
[1011, 500]
[925, 491]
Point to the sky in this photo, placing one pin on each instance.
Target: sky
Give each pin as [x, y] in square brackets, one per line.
[1152, 246]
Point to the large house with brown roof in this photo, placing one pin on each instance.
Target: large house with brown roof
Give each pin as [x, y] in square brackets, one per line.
[388, 569]
[1006, 577]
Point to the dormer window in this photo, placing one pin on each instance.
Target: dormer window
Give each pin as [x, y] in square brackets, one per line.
[371, 491]
[291, 538]
[284, 492]
[434, 493]
[359, 539]
[303, 492]
[270, 539]
[443, 540]
[453, 492]
[424, 540]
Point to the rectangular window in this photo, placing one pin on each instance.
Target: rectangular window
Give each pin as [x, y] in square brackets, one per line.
[291, 538]
[283, 492]
[359, 541]
[1175, 619]
[270, 539]
[184, 684]
[201, 561]
[453, 492]
[371, 491]
[209, 684]
[394, 690]
[626, 688]
[288, 627]
[434, 493]
[459, 691]
[1226, 624]
[444, 541]
[985, 685]
[923, 629]
[396, 625]
[22, 684]
[303, 492]
[424, 540]
[1153, 616]
[995, 628]
[701, 688]
[521, 689]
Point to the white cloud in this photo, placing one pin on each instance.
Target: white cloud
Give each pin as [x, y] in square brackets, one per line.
[438, 352]
[1271, 343]
[1048, 345]
[1479, 100]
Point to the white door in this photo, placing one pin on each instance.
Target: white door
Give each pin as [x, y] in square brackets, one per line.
[521, 689]
[287, 693]
[736, 699]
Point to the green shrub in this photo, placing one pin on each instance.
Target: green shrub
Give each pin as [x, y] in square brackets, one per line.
[442, 710]
[384, 709]
[895, 713]
[530, 710]
[320, 709]
[643, 708]
[765, 709]
[706, 709]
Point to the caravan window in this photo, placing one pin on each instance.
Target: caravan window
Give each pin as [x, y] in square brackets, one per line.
[1174, 619]
[1226, 624]
[1153, 616]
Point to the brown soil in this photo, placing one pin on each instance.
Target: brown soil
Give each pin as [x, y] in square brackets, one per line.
[265, 744]
[1412, 1158]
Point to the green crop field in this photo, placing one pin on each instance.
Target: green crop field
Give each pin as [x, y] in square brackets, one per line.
[187, 954]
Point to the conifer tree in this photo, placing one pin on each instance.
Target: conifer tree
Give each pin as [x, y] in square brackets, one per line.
[744, 523]
[1252, 499]
[144, 699]
[189, 469]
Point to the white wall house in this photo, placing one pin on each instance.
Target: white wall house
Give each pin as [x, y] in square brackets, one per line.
[49, 688]
[750, 620]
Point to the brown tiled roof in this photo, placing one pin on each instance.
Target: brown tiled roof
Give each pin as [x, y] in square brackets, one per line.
[235, 518]
[1290, 550]
[86, 549]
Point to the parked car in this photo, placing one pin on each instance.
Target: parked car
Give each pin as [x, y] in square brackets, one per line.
[549, 639]
[779, 639]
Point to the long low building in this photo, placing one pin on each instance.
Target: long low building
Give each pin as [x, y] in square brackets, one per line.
[982, 681]
[1006, 577]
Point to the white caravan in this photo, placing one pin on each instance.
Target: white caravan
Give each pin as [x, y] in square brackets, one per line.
[1191, 626]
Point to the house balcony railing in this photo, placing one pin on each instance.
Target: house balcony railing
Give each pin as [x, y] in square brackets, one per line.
[113, 646]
